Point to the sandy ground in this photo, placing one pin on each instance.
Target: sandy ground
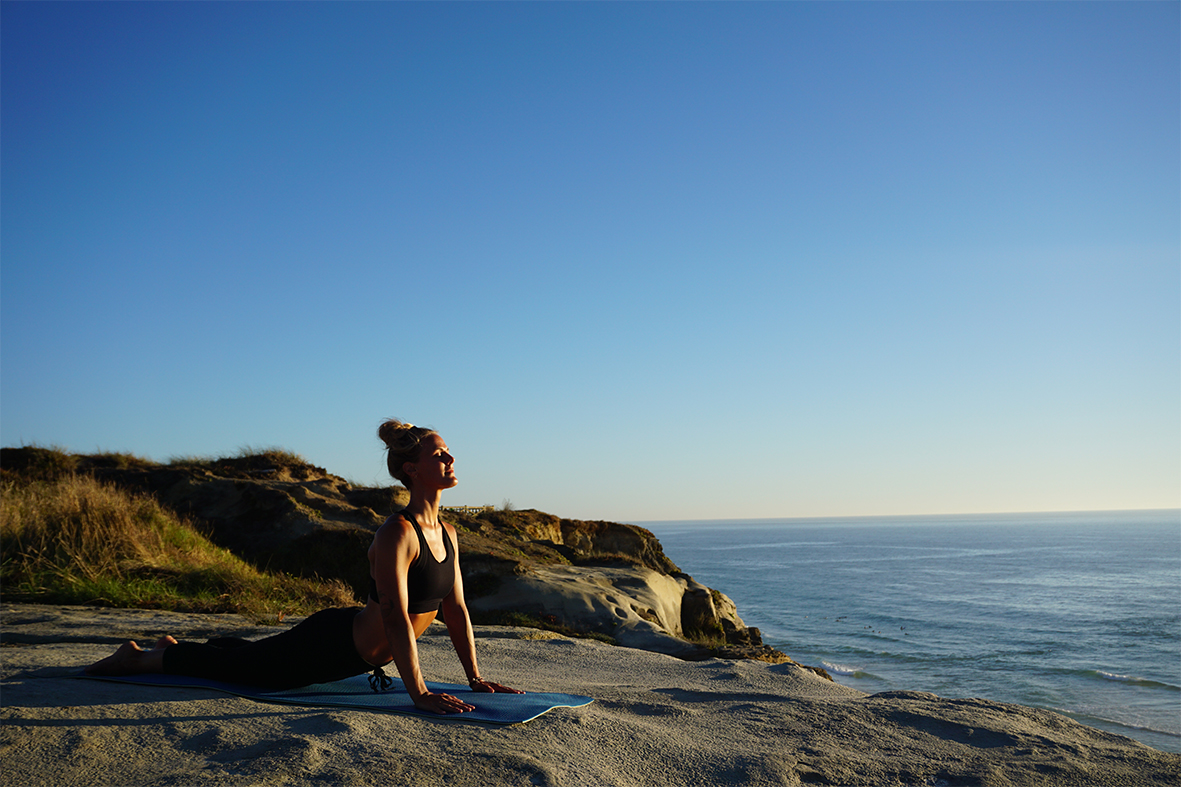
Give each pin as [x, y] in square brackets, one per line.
[656, 721]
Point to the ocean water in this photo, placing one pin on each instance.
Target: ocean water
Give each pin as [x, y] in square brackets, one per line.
[1078, 613]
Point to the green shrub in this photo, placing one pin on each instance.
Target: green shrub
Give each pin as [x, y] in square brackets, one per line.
[37, 463]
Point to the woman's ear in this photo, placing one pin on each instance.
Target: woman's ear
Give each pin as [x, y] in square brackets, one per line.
[410, 468]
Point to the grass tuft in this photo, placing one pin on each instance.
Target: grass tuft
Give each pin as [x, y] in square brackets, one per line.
[74, 540]
[279, 457]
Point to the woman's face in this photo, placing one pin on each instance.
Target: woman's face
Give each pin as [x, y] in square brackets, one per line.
[435, 466]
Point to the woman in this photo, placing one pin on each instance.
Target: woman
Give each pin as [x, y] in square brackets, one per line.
[414, 572]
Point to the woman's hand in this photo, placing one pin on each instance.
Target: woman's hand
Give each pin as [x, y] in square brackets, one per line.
[488, 687]
[441, 703]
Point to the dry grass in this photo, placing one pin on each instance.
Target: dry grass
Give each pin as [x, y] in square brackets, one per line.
[72, 539]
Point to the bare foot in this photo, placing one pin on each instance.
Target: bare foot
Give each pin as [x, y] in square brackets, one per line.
[130, 659]
[117, 662]
[164, 642]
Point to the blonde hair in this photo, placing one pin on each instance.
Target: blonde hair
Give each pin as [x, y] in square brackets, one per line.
[403, 444]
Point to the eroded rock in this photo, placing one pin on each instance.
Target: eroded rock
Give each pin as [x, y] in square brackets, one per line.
[281, 513]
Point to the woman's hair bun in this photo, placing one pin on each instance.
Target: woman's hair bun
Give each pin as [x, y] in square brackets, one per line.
[393, 432]
[402, 441]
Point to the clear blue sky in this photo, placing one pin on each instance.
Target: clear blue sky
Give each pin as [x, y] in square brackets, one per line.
[633, 261]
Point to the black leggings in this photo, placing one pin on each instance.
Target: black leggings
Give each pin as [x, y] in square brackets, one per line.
[318, 650]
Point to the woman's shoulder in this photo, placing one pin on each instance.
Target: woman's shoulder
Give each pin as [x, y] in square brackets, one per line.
[398, 516]
[396, 529]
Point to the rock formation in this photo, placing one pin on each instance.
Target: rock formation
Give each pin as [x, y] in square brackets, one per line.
[281, 513]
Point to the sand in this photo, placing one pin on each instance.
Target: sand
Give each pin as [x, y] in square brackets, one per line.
[656, 721]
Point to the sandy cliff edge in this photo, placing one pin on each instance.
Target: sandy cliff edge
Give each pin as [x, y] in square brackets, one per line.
[657, 721]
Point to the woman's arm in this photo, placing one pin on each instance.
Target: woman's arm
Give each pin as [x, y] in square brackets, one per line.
[459, 626]
[394, 546]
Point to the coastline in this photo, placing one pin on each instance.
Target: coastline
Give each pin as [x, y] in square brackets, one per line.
[1072, 612]
[656, 720]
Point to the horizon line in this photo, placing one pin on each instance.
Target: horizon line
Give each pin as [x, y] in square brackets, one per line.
[1176, 510]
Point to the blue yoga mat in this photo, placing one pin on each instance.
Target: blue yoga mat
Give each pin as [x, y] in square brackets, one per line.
[355, 693]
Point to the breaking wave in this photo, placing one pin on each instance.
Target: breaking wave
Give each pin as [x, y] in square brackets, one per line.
[1131, 679]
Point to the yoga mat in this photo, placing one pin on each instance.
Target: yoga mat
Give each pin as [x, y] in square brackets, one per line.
[355, 693]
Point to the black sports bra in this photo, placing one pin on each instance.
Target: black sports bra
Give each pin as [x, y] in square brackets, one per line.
[428, 581]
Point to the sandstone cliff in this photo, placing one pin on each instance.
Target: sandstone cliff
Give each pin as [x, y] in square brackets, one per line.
[526, 567]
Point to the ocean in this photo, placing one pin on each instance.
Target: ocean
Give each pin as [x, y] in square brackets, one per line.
[1079, 613]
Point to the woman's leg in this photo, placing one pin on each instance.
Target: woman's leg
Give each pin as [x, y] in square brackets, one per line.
[318, 650]
[227, 642]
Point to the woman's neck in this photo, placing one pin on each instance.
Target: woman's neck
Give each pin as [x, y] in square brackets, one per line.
[424, 506]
